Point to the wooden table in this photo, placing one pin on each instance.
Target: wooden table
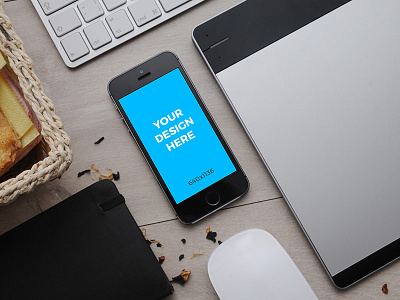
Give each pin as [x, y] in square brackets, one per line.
[81, 99]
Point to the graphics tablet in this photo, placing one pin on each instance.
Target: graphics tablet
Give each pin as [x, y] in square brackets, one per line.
[316, 86]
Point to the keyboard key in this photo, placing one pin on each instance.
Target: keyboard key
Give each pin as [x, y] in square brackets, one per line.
[97, 35]
[169, 5]
[79, 45]
[90, 10]
[144, 11]
[50, 6]
[65, 21]
[75, 46]
[119, 23]
[113, 4]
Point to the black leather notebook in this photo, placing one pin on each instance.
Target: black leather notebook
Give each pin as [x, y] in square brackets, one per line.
[86, 247]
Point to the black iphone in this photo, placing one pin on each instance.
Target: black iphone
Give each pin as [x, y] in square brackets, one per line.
[178, 137]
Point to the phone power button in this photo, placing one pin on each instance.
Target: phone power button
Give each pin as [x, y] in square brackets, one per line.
[213, 198]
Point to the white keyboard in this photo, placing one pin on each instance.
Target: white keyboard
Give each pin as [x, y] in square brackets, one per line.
[84, 29]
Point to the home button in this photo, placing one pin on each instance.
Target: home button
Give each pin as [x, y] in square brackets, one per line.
[213, 198]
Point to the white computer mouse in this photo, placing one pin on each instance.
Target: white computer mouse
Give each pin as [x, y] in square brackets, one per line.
[253, 265]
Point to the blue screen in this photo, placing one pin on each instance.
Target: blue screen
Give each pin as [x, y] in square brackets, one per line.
[177, 135]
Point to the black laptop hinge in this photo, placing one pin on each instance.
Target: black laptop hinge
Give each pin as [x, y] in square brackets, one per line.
[110, 204]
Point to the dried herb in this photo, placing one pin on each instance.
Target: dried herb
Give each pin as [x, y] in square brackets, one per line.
[94, 168]
[99, 141]
[116, 176]
[182, 278]
[161, 259]
[83, 172]
[154, 241]
[185, 274]
[110, 176]
[107, 176]
[385, 289]
[195, 253]
[150, 241]
[182, 256]
[183, 241]
[211, 236]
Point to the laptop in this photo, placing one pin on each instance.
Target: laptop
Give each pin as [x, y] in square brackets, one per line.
[316, 86]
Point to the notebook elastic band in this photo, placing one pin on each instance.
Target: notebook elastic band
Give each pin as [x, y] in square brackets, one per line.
[110, 204]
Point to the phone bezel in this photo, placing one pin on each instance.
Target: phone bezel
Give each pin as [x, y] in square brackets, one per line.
[195, 207]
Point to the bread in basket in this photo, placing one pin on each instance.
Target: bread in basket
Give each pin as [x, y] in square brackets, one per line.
[55, 143]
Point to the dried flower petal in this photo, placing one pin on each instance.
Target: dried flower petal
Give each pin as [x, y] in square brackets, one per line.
[83, 172]
[385, 289]
[107, 176]
[211, 236]
[161, 259]
[195, 253]
[183, 241]
[182, 256]
[94, 168]
[182, 278]
[179, 279]
[185, 274]
[154, 241]
[150, 241]
[99, 141]
[116, 176]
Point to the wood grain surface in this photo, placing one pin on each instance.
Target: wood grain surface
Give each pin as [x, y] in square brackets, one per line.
[81, 100]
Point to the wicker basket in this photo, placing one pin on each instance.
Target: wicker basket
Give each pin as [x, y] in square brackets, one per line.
[56, 142]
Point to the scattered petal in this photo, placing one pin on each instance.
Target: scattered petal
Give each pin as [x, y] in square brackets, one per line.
[107, 176]
[182, 278]
[116, 176]
[385, 289]
[83, 172]
[195, 253]
[211, 236]
[185, 274]
[94, 168]
[99, 141]
[150, 241]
